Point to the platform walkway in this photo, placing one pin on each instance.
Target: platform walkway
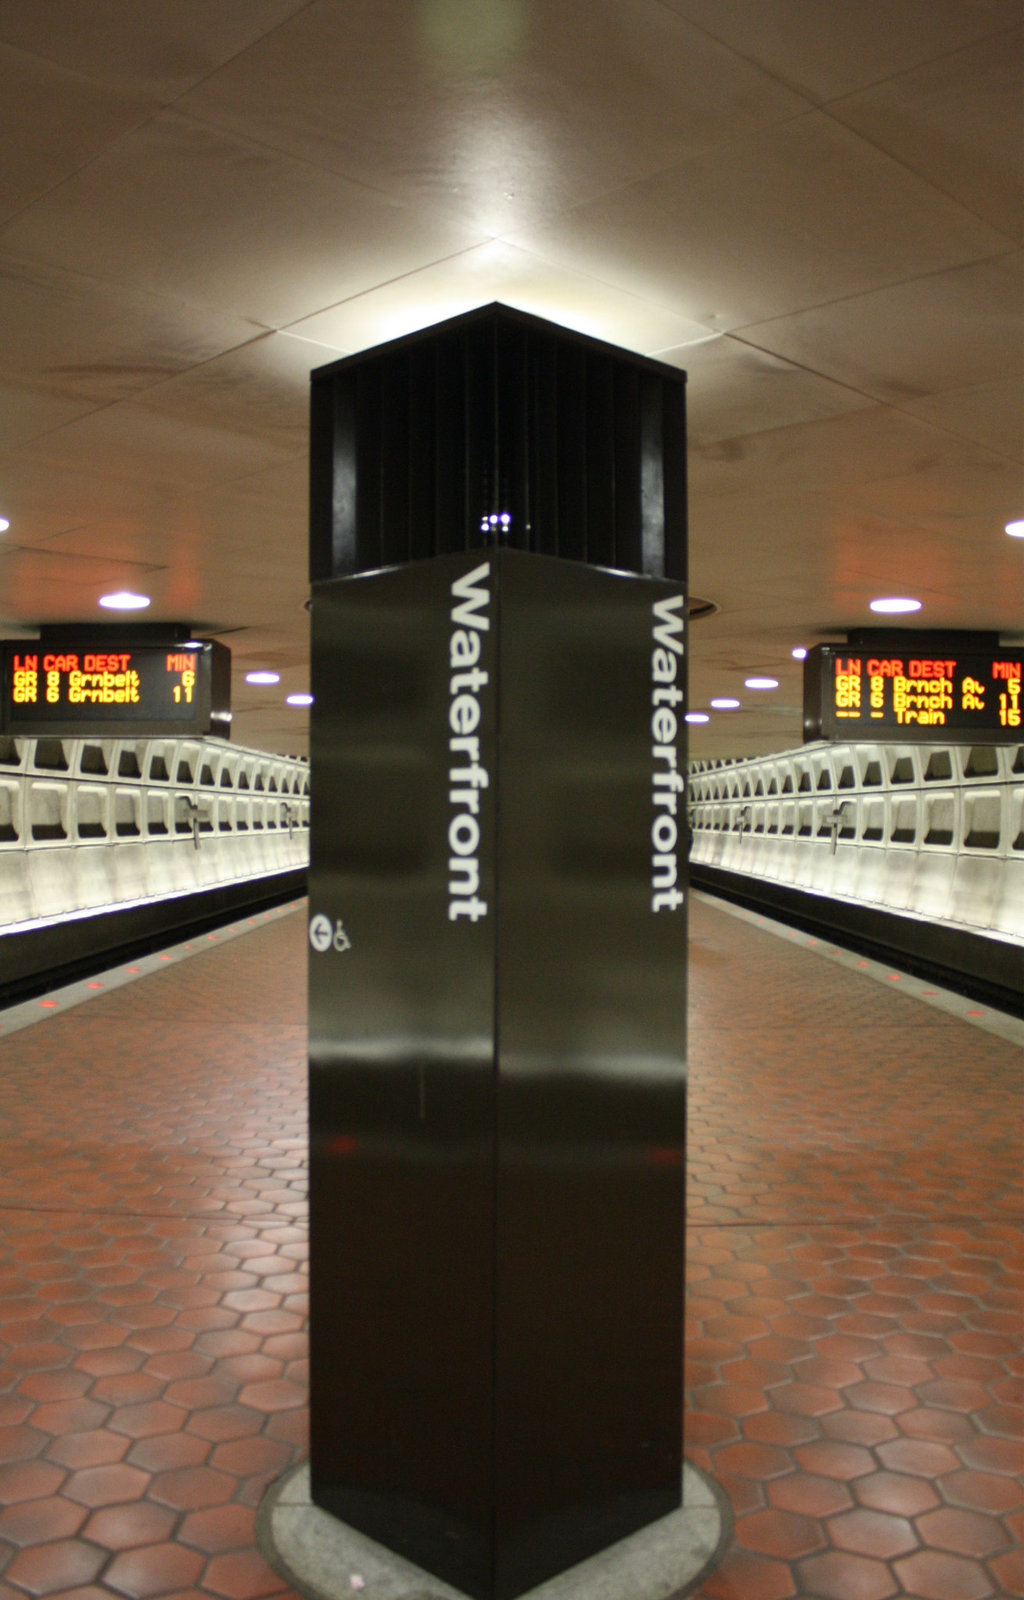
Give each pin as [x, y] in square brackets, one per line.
[855, 1361]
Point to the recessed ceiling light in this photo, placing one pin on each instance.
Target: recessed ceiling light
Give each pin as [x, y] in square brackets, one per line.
[761, 683]
[1014, 529]
[263, 677]
[5, 524]
[723, 703]
[298, 699]
[124, 600]
[895, 603]
[696, 716]
[799, 652]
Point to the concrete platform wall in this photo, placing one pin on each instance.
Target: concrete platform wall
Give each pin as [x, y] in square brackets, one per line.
[89, 825]
[934, 832]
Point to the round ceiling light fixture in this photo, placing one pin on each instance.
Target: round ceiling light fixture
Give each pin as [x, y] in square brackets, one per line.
[298, 699]
[1014, 529]
[124, 600]
[799, 652]
[263, 677]
[761, 683]
[894, 604]
[5, 524]
[724, 703]
[696, 716]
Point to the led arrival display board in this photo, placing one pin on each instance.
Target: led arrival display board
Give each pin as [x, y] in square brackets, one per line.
[919, 691]
[94, 683]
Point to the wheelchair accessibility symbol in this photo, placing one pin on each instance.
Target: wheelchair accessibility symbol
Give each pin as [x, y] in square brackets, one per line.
[326, 935]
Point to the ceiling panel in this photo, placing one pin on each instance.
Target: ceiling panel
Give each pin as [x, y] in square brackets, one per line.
[25, 415]
[74, 338]
[831, 49]
[945, 493]
[129, 443]
[948, 330]
[956, 122]
[52, 122]
[991, 414]
[734, 389]
[498, 271]
[225, 223]
[40, 585]
[860, 446]
[803, 215]
[255, 525]
[502, 113]
[157, 48]
[43, 503]
[258, 391]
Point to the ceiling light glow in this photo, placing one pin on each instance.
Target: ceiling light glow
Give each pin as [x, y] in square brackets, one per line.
[799, 652]
[298, 699]
[263, 677]
[1014, 529]
[724, 703]
[5, 524]
[696, 716]
[124, 600]
[895, 603]
[761, 683]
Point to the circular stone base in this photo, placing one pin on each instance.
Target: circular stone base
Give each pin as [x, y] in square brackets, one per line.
[327, 1560]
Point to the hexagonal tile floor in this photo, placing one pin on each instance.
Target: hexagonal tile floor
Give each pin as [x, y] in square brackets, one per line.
[855, 1374]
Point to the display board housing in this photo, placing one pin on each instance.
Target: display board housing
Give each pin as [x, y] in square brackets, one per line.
[914, 690]
[90, 681]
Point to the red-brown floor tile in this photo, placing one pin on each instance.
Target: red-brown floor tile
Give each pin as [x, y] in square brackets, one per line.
[164, 1452]
[228, 1527]
[743, 1575]
[189, 1488]
[965, 1533]
[813, 1497]
[241, 1575]
[934, 1575]
[106, 1486]
[55, 1567]
[785, 1534]
[854, 1337]
[917, 1457]
[153, 1570]
[983, 1491]
[96, 1448]
[128, 1526]
[1007, 1571]
[840, 1576]
[33, 1521]
[251, 1457]
[29, 1481]
[872, 1533]
[831, 1458]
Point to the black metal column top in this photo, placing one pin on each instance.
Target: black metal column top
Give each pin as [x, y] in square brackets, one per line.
[498, 428]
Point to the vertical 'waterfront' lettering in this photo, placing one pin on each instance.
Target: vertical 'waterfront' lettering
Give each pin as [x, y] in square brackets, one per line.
[667, 782]
[470, 599]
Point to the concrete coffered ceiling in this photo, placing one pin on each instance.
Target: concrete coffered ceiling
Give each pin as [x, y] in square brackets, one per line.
[815, 207]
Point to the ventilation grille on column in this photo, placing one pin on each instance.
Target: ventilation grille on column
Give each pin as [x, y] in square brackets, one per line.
[496, 428]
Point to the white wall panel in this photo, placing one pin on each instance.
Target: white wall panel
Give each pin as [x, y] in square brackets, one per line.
[929, 831]
[91, 824]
